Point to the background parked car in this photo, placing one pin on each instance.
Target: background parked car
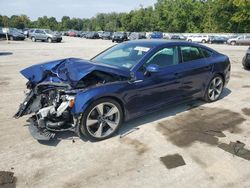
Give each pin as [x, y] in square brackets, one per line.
[244, 39]
[217, 40]
[92, 35]
[13, 34]
[156, 35]
[72, 34]
[136, 36]
[107, 35]
[82, 34]
[120, 37]
[198, 38]
[246, 60]
[178, 37]
[45, 35]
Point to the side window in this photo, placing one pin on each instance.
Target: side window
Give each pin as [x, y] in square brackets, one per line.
[190, 53]
[37, 31]
[164, 57]
[206, 53]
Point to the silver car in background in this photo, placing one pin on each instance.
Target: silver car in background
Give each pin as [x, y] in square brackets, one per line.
[243, 40]
[45, 35]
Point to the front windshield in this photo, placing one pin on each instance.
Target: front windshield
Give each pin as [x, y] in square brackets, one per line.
[122, 55]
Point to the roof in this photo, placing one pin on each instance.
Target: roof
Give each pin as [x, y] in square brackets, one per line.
[159, 42]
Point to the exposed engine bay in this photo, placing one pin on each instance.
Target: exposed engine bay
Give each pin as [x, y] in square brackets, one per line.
[51, 104]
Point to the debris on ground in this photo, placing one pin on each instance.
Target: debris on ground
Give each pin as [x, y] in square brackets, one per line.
[7, 179]
[216, 133]
[173, 161]
[236, 148]
[127, 133]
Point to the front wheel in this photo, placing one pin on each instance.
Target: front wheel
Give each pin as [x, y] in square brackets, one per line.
[233, 43]
[101, 120]
[49, 40]
[214, 89]
[33, 39]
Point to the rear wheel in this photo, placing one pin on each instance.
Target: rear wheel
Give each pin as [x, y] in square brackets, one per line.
[203, 41]
[214, 89]
[101, 120]
[189, 40]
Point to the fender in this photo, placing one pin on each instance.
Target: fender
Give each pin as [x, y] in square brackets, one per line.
[85, 98]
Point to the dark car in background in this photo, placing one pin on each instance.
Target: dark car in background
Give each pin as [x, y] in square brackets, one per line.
[246, 60]
[13, 34]
[119, 37]
[45, 35]
[178, 37]
[92, 35]
[129, 80]
[107, 35]
[217, 40]
[136, 36]
[83, 34]
[156, 35]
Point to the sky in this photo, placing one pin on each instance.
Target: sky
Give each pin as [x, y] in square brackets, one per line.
[73, 8]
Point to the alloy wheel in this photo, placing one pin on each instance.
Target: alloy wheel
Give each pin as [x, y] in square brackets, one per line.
[215, 88]
[103, 120]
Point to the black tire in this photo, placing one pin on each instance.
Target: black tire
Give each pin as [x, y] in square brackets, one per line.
[203, 41]
[206, 97]
[233, 43]
[49, 40]
[189, 40]
[83, 126]
[33, 39]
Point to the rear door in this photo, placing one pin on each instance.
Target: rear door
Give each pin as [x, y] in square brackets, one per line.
[194, 71]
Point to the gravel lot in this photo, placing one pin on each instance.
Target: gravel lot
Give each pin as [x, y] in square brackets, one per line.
[194, 136]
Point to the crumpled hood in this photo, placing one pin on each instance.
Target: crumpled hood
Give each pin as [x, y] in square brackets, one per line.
[69, 71]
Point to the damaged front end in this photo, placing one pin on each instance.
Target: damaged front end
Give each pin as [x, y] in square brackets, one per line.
[53, 88]
[51, 104]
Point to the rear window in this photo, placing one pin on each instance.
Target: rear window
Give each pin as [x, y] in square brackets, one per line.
[206, 53]
[190, 53]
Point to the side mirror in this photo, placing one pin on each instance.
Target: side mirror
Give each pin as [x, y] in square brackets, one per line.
[153, 68]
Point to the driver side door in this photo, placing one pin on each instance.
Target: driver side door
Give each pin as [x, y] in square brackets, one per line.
[157, 89]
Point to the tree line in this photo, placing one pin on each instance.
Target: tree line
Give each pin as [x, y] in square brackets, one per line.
[166, 15]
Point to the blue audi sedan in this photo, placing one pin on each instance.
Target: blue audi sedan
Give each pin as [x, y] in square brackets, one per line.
[94, 97]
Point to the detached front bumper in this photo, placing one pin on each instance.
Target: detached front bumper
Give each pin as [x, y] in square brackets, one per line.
[51, 111]
[44, 133]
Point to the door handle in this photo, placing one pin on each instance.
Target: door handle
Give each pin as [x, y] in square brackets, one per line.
[208, 67]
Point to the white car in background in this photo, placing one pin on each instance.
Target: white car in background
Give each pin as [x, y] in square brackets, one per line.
[198, 38]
